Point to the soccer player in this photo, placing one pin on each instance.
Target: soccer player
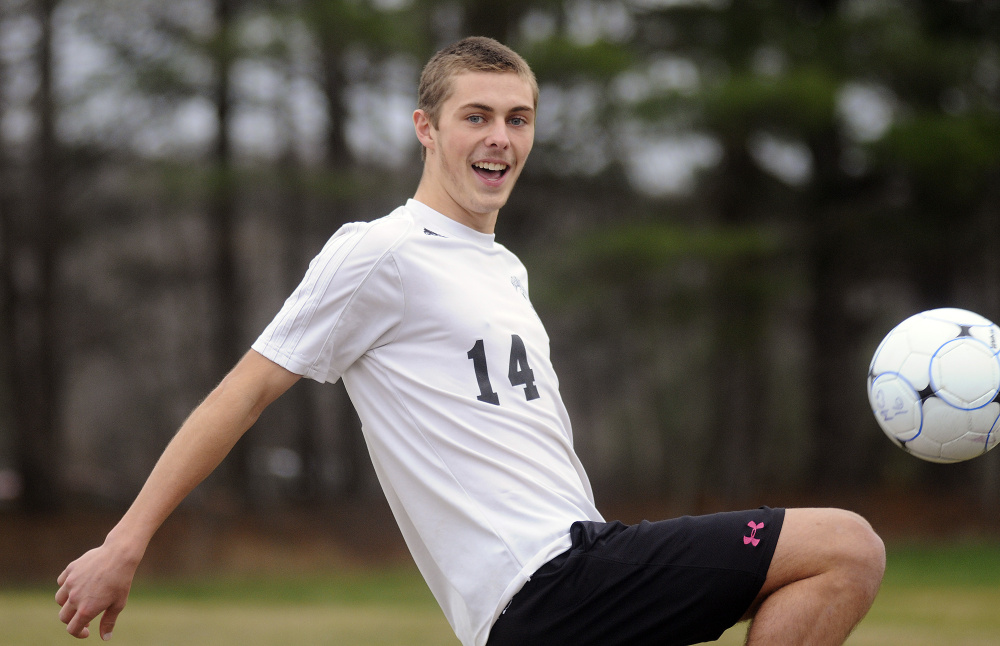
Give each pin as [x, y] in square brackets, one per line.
[427, 320]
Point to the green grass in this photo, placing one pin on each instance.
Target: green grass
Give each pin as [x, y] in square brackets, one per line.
[383, 608]
[937, 595]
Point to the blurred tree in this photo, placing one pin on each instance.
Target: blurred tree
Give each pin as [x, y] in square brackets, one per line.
[939, 166]
[346, 51]
[31, 244]
[228, 343]
[499, 21]
[356, 43]
[727, 205]
[6, 265]
[818, 142]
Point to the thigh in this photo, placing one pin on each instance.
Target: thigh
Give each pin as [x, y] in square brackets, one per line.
[813, 541]
[680, 581]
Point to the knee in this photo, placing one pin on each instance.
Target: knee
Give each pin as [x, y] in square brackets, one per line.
[860, 550]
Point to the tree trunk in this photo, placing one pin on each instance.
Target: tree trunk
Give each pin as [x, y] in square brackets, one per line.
[495, 20]
[227, 341]
[339, 160]
[740, 374]
[30, 250]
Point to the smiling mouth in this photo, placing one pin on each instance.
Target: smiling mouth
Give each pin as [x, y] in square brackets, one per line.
[490, 170]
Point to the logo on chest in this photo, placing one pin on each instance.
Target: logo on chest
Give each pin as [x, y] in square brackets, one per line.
[520, 288]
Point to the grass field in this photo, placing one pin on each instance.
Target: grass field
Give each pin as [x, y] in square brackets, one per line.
[931, 596]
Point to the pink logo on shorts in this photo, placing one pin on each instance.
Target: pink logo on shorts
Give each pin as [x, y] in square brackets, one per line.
[751, 539]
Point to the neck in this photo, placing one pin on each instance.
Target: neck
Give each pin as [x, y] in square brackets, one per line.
[433, 195]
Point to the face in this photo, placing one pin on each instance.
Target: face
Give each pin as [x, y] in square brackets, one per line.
[475, 153]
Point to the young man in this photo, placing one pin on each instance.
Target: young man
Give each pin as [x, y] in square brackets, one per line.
[427, 320]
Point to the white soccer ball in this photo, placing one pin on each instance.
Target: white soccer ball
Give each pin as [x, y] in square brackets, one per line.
[933, 385]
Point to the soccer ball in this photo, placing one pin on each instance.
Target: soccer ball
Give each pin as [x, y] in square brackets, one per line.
[933, 385]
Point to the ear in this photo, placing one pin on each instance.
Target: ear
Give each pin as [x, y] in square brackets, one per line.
[424, 129]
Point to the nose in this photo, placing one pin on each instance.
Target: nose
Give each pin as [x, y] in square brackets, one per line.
[497, 135]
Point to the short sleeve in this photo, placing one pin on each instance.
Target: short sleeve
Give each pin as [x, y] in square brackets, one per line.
[349, 301]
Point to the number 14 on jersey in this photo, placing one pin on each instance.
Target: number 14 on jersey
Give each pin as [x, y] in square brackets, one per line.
[519, 373]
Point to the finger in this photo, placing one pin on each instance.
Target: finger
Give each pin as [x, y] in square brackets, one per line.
[67, 613]
[108, 622]
[62, 577]
[62, 596]
[78, 627]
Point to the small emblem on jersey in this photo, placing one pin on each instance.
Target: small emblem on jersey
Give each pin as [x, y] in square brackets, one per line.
[428, 232]
[752, 538]
[519, 287]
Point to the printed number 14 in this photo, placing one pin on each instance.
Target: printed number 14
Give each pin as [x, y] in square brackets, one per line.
[519, 373]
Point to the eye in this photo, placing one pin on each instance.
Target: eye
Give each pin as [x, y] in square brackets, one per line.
[518, 121]
[475, 118]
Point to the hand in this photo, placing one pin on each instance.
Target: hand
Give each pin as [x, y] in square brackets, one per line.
[99, 581]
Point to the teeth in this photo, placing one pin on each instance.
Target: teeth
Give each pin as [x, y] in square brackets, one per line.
[490, 166]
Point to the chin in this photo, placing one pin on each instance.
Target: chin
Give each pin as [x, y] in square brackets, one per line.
[493, 204]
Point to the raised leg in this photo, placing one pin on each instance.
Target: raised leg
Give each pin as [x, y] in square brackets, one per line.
[827, 568]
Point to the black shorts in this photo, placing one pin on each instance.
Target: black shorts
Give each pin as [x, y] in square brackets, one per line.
[679, 581]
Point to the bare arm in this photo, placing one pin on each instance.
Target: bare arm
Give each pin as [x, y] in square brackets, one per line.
[100, 580]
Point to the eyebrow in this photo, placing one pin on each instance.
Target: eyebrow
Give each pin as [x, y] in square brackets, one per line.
[482, 107]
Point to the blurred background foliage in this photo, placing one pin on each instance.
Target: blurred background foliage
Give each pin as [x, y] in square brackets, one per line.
[728, 205]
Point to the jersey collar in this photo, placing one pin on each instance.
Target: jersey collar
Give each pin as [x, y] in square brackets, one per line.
[443, 225]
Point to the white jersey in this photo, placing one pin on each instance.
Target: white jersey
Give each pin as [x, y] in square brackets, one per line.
[429, 324]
